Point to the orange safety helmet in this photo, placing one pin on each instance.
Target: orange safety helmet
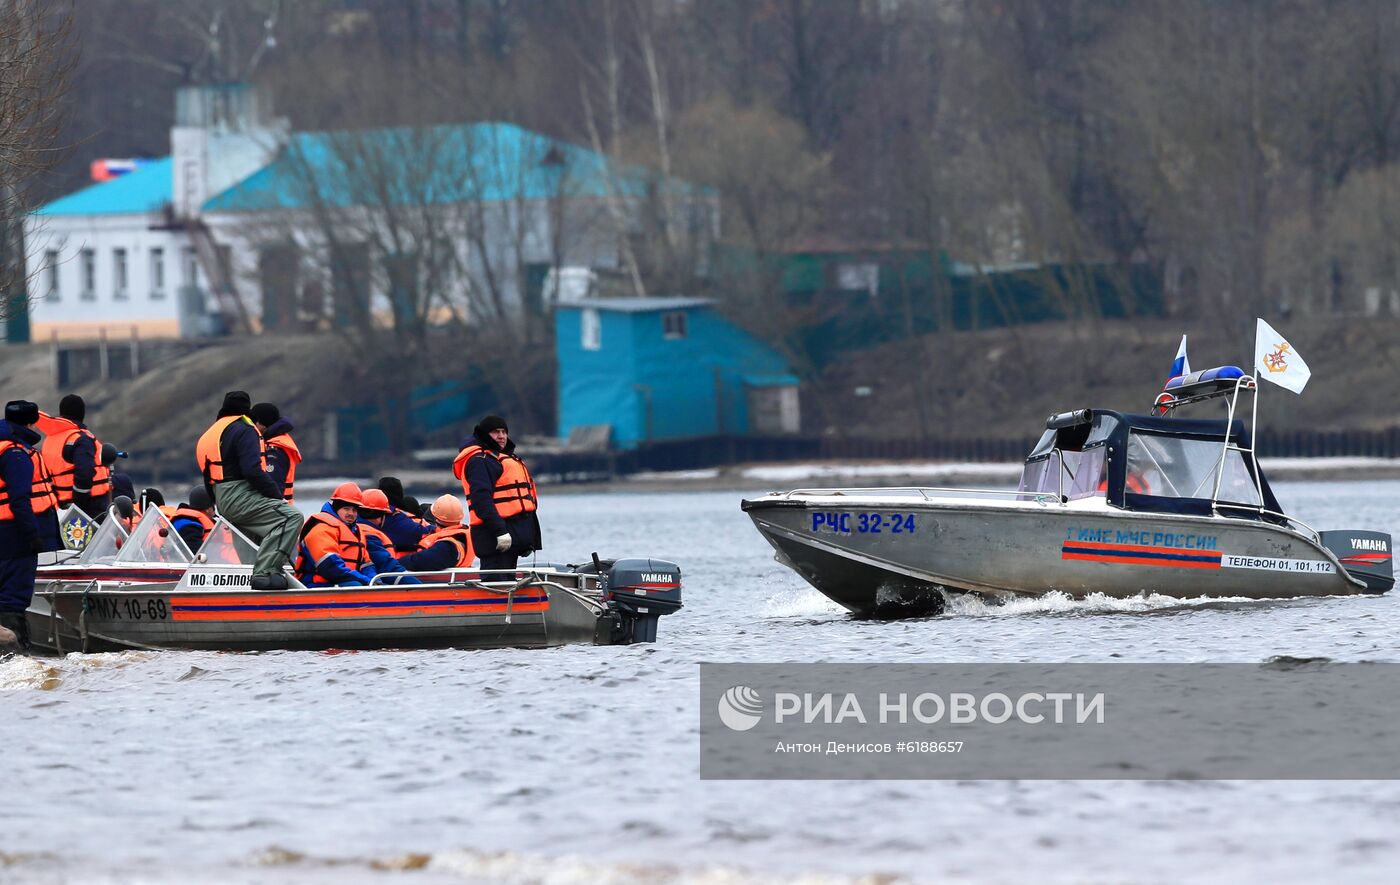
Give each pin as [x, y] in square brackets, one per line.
[448, 510]
[348, 493]
[376, 500]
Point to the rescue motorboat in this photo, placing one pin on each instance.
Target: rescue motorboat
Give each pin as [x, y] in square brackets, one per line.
[1108, 503]
[146, 590]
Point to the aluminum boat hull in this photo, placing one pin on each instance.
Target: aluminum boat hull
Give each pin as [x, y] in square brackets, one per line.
[108, 612]
[880, 557]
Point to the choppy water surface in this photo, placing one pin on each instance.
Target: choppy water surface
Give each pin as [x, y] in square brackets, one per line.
[580, 764]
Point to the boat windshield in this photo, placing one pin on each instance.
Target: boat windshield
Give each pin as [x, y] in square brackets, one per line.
[105, 543]
[1077, 477]
[154, 540]
[226, 545]
[1178, 467]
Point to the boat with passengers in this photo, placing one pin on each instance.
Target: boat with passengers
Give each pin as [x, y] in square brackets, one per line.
[1111, 503]
[114, 589]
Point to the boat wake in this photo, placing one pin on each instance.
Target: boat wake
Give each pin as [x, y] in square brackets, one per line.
[23, 673]
[508, 868]
[1056, 603]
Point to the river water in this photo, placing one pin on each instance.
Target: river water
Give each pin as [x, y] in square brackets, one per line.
[580, 764]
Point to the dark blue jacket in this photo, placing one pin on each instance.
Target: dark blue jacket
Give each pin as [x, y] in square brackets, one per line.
[279, 463]
[440, 557]
[482, 472]
[403, 530]
[17, 535]
[240, 450]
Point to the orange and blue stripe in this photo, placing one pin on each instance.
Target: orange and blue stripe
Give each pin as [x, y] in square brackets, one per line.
[1133, 554]
[351, 604]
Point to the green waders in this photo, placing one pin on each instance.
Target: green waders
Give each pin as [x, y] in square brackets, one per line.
[272, 522]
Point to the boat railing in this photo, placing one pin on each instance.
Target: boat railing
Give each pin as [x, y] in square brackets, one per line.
[507, 586]
[931, 492]
[1264, 511]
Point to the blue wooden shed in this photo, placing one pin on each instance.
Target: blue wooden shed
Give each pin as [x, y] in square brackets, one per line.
[667, 368]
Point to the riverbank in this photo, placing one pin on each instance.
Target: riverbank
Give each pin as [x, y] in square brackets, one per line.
[426, 484]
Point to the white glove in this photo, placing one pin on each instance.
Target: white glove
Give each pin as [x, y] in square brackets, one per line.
[503, 543]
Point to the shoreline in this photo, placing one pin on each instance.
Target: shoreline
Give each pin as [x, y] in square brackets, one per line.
[784, 476]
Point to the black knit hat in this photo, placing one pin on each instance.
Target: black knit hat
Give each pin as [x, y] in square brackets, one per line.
[72, 407]
[21, 411]
[153, 496]
[236, 402]
[392, 487]
[490, 423]
[199, 498]
[265, 414]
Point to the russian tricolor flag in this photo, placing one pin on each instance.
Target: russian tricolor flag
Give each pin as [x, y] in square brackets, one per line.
[1181, 365]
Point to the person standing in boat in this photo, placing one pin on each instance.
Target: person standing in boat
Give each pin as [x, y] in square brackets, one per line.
[501, 496]
[232, 458]
[283, 456]
[28, 517]
[72, 455]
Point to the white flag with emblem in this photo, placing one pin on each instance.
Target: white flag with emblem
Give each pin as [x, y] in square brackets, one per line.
[1275, 359]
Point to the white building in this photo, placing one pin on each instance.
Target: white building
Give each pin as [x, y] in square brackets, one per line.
[248, 225]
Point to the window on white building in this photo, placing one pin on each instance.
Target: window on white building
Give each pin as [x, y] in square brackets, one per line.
[157, 273]
[590, 330]
[674, 325]
[189, 267]
[119, 279]
[51, 274]
[87, 261]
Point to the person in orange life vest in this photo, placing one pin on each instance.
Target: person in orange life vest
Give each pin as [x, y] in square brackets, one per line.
[449, 547]
[28, 516]
[381, 548]
[500, 494]
[283, 456]
[72, 455]
[333, 549]
[401, 523]
[231, 455]
[194, 519]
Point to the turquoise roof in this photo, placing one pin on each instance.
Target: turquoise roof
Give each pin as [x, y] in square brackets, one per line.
[147, 189]
[437, 164]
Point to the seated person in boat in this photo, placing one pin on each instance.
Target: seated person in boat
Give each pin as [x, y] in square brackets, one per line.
[449, 546]
[381, 549]
[194, 519]
[333, 549]
[401, 523]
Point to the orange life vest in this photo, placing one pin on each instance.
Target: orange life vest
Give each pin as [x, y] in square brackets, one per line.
[208, 457]
[370, 531]
[460, 537]
[41, 495]
[199, 516]
[515, 490]
[325, 534]
[58, 434]
[285, 442]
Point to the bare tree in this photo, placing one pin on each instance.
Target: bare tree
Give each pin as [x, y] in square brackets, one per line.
[36, 58]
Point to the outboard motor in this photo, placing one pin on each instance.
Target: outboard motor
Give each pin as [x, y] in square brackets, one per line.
[640, 591]
[1365, 556]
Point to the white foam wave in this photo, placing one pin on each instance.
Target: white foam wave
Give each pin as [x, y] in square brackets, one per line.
[509, 868]
[21, 673]
[1055, 602]
[799, 602]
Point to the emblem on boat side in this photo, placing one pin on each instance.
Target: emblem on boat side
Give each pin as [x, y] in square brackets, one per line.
[1277, 359]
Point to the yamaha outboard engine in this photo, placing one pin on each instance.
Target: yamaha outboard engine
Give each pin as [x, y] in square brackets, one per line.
[1365, 556]
[640, 591]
